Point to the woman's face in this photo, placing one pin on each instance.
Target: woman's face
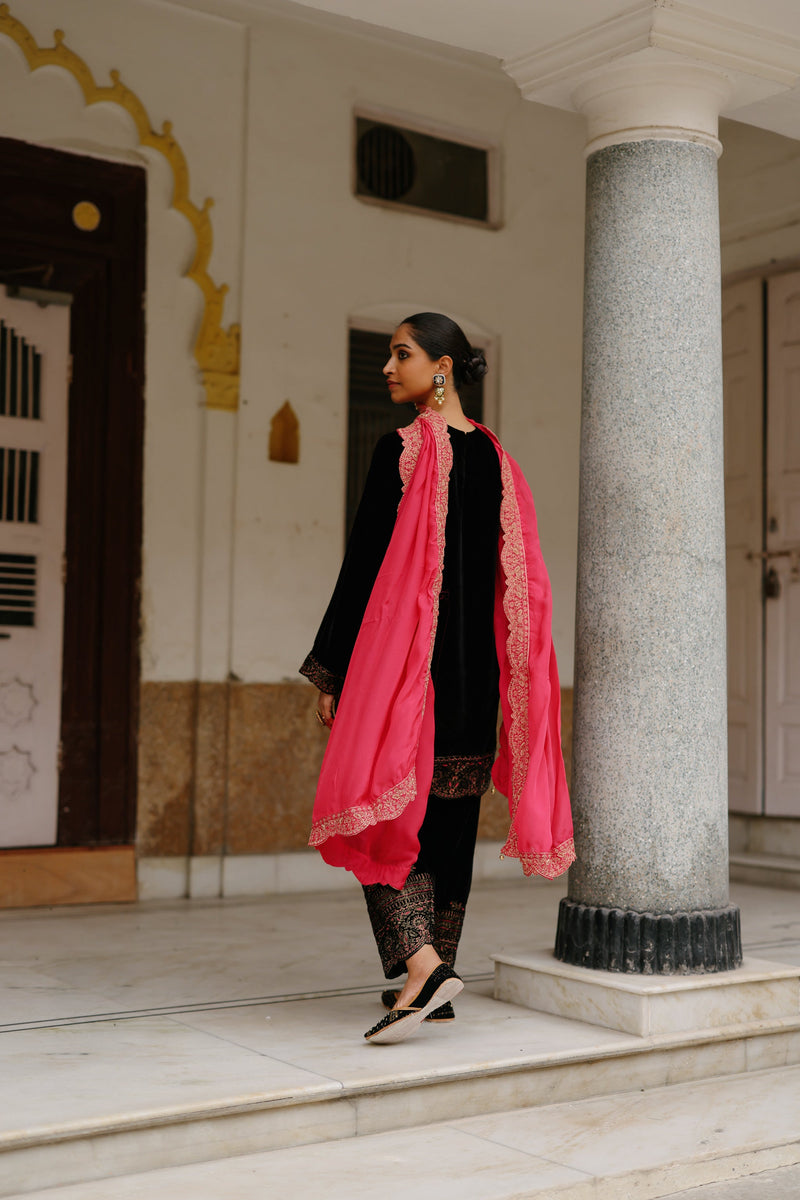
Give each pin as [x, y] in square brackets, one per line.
[409, 372]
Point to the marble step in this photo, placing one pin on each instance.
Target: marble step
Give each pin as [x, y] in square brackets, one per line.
[643, 1144]
[767, 870]
[780, 1184]
[296, 1078]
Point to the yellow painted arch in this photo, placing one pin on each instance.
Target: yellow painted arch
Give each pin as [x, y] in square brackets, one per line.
[216, 349]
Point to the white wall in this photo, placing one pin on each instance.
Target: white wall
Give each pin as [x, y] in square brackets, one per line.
[316, 255]
[240, 554]
[759, 175]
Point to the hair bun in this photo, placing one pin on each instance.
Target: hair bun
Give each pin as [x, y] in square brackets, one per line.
[474, 366]
[438, 336]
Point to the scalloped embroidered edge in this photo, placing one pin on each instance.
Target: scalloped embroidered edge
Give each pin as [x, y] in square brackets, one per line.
[355, 820]
[550, 864]
[515, 606]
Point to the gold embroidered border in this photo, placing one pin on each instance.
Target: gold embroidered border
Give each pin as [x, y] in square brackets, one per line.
[412, 444]
[355, 820]
[515, 606]
[216, 350]
[550, 864]
[553, 862]
[457, 775]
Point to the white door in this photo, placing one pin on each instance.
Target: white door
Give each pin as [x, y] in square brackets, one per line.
[743, 358]
[782, 613]
[34, 364]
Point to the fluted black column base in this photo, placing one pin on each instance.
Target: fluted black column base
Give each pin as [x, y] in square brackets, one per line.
[682, 943]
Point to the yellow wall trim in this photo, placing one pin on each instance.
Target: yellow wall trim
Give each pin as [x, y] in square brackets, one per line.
[217, 349]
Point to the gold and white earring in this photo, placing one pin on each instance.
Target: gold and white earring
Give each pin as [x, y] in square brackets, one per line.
[438, 389]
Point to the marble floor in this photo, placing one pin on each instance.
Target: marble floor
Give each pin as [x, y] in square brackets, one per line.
[134, 1013]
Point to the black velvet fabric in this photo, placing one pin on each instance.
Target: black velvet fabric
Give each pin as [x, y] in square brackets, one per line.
[447, 847]
[464, 667]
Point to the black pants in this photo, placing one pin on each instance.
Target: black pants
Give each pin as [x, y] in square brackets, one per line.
[429, 909]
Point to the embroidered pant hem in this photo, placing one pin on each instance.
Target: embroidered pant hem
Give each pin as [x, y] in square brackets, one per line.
[429, 908]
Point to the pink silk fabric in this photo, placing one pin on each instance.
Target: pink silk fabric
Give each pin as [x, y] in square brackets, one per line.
[378, 766]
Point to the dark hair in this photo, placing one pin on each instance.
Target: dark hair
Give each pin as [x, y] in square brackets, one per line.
[437, 335]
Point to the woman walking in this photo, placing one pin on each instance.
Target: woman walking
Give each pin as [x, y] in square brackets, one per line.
[442, 606]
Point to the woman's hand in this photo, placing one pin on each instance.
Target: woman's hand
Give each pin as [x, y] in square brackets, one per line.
[325, 709]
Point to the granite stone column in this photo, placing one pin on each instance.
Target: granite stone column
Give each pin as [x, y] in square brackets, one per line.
[649, 891]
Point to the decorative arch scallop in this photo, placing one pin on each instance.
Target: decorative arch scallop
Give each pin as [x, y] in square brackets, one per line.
[216, 349]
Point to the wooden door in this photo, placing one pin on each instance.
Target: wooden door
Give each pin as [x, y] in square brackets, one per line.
[34, 367]
[45, 244]
[743, 373]
[782, 607]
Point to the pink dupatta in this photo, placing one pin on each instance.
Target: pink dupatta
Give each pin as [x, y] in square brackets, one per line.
[378, 766]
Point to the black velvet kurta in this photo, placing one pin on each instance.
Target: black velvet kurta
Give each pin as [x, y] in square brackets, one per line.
[464, 668]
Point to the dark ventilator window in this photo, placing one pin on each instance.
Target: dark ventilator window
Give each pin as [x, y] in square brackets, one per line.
[416, 170]
[371, 412]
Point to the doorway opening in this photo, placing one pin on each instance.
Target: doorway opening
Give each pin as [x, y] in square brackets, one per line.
[72, 277]
[761, 366]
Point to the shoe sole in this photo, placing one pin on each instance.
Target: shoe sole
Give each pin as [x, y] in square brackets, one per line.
[431, 1018]
[398, 1031]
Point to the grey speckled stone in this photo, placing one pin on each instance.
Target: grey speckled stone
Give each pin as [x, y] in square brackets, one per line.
[650, 760]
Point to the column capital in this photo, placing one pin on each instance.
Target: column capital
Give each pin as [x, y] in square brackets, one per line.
[648, 96]
[724, 64]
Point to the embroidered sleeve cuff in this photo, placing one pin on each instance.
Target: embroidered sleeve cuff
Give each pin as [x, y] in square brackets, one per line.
[323, 679]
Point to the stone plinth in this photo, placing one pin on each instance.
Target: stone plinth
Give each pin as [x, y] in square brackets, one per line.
[759, 992]
[645, 943]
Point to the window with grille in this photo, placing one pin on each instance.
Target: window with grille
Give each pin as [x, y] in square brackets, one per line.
[20, 397]
[19, 485]
[371, 412]
[20, 376]
[402, 166]
[17, 589]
